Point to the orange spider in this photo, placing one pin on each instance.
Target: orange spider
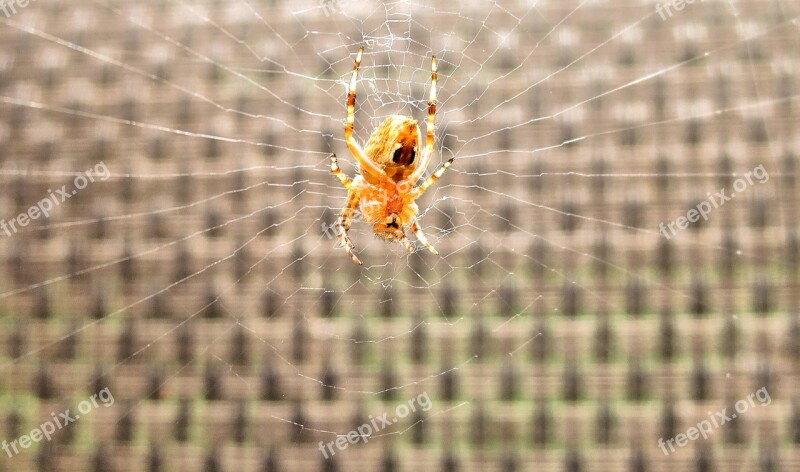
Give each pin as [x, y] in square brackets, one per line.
[385, 191]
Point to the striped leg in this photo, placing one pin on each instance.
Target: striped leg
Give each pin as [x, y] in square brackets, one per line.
[364, 162]
[421, 237]
[406, 243]
[433, 178]
[430, 128]
[337, 171]
[344, 222]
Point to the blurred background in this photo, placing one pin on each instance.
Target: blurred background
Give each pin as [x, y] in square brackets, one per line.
[167, 246]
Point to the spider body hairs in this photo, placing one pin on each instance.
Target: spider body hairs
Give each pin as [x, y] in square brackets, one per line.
[391, 164]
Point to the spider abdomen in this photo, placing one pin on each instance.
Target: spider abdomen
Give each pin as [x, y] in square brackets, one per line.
[394, 146]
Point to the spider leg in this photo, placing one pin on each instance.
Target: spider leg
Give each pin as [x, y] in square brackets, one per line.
[365, 163]
[430, 128]
[406, 243]
[344, 222]
[337, 171]
[421, 237]
[434, 177]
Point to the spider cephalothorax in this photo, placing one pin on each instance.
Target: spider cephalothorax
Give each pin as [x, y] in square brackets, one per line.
[390, 165]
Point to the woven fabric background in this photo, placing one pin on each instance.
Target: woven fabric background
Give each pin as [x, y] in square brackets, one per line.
[558, 330]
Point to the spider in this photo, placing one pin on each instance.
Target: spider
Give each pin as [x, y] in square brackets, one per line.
[385, 190]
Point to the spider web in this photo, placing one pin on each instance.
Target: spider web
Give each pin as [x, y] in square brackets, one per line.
[541, 122]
